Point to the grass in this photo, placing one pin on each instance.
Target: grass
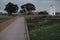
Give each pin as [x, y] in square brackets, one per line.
[4, 18]
[44, 28]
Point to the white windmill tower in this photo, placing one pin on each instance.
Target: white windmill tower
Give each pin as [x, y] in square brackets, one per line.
[52, 10]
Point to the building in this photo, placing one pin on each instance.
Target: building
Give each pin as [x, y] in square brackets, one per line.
[52, 10]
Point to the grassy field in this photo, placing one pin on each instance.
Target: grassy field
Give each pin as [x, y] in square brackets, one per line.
[44, 28]
[4, 18]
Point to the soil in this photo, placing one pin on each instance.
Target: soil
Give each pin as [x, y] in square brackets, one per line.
[6, 23]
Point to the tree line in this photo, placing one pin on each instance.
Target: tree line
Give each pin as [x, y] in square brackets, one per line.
[26, 8]
[13, 8]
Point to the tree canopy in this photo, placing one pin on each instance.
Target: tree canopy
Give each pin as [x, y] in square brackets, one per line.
[11, 8]
[22, 11]
[28, 7]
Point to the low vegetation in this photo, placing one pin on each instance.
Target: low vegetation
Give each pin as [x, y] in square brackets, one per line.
[4, 18]
[44, 28]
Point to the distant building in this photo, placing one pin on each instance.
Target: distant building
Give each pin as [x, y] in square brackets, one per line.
[52, 10]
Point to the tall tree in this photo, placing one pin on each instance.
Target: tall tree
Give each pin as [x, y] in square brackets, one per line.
[11, 8]
[28, 7]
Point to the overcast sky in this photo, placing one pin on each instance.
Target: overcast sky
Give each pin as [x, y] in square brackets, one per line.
[40, 4]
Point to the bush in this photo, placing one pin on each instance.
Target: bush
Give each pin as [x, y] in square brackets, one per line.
[43, 13]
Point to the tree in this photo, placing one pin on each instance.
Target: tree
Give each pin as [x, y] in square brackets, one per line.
[11, 8]
[28, 7]
[22, 11]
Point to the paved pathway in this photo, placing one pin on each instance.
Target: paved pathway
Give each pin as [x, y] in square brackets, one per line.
[15, 31]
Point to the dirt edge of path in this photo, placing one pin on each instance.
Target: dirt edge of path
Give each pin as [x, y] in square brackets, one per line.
[6, 23]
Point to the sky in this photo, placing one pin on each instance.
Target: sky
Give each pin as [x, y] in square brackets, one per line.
[39, 4]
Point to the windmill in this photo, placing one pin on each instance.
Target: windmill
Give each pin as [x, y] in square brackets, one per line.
[52, 10]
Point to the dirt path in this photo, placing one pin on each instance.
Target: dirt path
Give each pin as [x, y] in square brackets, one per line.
[5, 24]
[14, 31]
